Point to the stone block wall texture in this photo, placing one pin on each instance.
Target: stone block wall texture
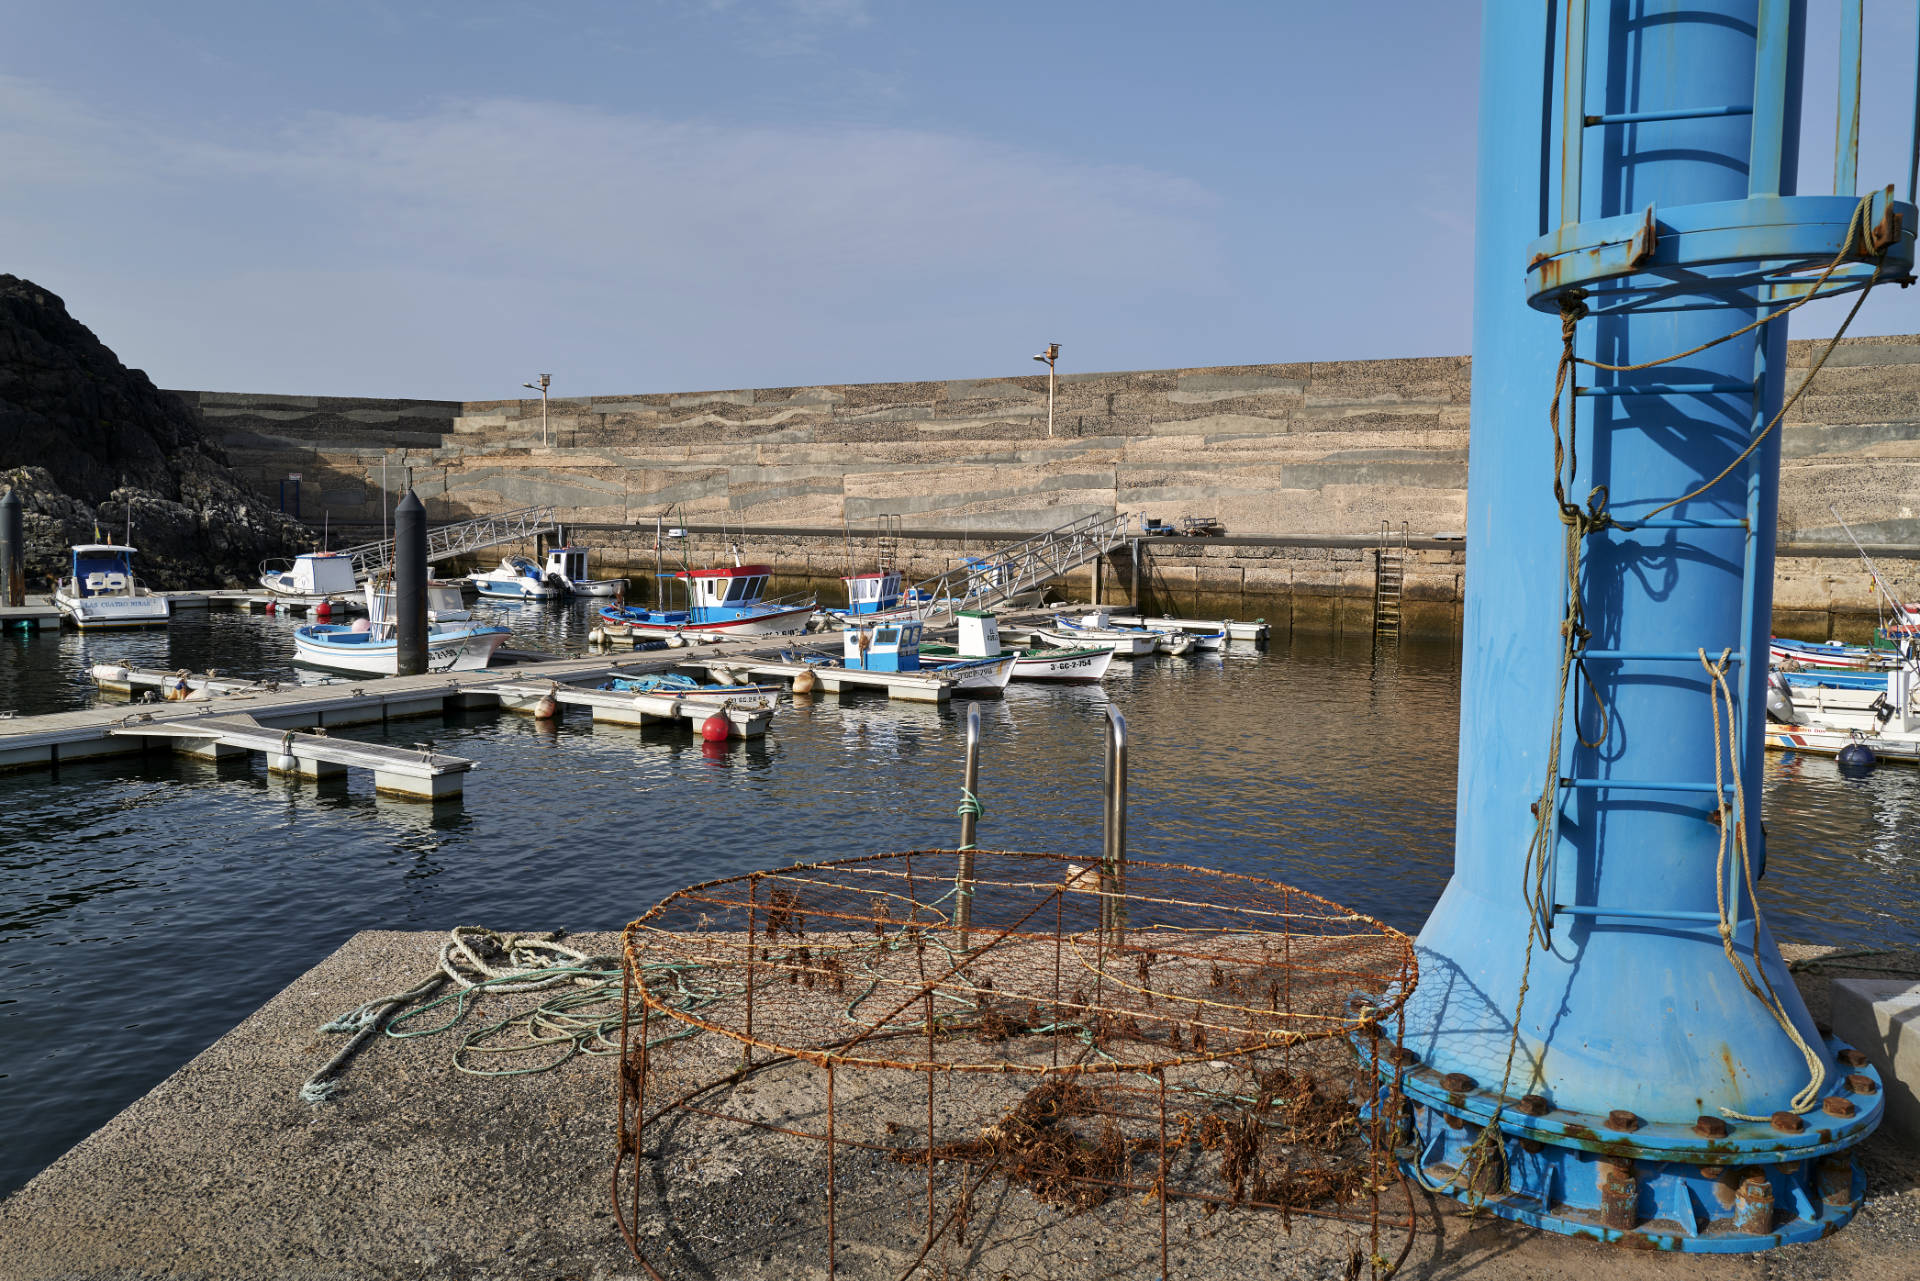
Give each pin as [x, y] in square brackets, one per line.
[1327, 448]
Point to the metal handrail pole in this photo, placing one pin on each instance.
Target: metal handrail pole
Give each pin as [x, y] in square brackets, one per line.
[1113, 853]
[969, 820]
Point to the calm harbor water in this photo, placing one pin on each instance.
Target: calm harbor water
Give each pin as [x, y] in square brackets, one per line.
[147, 905]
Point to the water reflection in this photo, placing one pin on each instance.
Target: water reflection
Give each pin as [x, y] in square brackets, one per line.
[1326, 764]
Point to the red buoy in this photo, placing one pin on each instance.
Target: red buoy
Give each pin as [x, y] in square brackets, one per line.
[323, 610]
[714, 729]
[269, 607]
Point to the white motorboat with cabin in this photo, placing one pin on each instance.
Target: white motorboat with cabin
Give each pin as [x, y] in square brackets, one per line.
[517, 578]
[569, 565]
[312, 578]
[980, 638]
[102, 592]
[371, 647]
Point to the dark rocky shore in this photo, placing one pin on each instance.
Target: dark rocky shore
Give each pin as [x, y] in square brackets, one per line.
[87, 442]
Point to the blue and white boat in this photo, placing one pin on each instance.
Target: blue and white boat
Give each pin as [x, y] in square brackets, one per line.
[102, 591]
[674, 685]
[518, 578]
[893, 645]
[720, 602]
[370, 646]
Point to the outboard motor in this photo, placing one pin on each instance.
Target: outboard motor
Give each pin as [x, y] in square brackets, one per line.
[1780, 705]
[559, 584]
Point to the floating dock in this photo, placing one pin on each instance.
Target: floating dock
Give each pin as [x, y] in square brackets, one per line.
[226, 716]
[38, 612]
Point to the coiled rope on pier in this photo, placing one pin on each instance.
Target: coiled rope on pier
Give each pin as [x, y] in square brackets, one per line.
[476, 960]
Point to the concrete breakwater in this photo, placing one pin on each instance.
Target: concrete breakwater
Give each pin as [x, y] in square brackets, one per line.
[1316, 455]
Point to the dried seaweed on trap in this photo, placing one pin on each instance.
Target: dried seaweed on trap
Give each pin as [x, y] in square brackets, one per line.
[1147, 1029]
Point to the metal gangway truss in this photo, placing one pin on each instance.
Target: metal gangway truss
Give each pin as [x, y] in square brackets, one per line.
[444, 542]
[1006, 572]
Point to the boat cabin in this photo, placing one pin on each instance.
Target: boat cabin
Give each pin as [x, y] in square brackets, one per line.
[103, 569]
[317, 574]
[728, 587]
[873, 593]
[979, 634]
[568, 562]
[883, 647]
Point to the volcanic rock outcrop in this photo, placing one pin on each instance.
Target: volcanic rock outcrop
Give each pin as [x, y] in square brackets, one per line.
[87, 442]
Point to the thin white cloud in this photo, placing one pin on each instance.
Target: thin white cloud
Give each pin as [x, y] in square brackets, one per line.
[687, 229]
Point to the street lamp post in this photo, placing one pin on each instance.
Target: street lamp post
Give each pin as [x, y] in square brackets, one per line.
[1047, 357]
[545, 381]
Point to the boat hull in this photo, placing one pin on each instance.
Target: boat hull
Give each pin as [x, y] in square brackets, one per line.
[785, 622]
[1125, 644]
[1843, 657]
[977, 676]
[514, 589]
[114, 613]
[461, 650]
[1828, 742]
[1063, 665]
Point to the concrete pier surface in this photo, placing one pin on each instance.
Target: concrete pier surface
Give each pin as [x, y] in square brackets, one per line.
[416, 1170]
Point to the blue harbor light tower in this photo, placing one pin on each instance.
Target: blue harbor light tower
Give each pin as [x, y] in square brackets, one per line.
[1605, 1039]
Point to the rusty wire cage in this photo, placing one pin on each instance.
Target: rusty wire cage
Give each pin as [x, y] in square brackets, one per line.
[1126, 1033]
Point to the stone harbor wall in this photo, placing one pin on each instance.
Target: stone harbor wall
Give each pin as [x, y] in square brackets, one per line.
[1316, 454]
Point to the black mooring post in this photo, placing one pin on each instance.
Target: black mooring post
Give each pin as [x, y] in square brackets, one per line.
[410, 584]
[13, 552]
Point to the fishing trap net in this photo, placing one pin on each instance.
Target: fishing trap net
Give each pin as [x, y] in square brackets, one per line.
[904, 1044]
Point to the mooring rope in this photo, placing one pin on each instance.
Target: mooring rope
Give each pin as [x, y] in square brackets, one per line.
[1719, 694]
[477, 961]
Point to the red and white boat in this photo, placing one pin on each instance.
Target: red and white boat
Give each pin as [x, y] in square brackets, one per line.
[720, 602]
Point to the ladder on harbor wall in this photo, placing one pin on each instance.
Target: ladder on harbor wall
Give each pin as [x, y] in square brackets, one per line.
[887, 543]
[1006, 572]
[1389, 579]
[445, 542]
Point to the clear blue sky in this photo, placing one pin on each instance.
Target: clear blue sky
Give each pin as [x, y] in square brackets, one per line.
[443, 199]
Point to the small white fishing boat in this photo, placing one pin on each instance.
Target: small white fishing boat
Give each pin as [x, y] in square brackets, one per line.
[569, 565]
[1822, 718]
[894, 646]
[312, 578]
[370, 646]
[517, 578]
[720, 602]
[102, 592]
[980, 638]
[1097, 628]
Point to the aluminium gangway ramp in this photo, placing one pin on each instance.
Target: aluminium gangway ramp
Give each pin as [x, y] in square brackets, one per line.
[444, 542]
[1006, 572]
